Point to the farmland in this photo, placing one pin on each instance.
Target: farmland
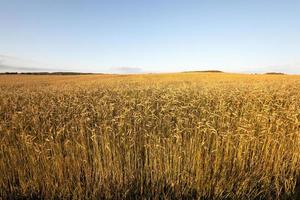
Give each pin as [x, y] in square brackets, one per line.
[156, 136]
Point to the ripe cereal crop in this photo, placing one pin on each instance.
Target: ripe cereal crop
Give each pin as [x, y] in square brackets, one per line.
[157, 136]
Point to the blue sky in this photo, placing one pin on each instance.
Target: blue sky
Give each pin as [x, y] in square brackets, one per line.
[150, 35]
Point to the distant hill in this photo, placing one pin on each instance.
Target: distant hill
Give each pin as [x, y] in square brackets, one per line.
[275, 73]
[204, 71]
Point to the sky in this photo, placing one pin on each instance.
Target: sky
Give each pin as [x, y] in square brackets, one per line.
[141, 36]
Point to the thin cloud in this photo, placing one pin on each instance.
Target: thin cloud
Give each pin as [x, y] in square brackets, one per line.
[287, 69]
[7, 68]
[15, 64]
[127, 70]
[290, 69]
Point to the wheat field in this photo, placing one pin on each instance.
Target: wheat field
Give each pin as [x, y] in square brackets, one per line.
[156, 136]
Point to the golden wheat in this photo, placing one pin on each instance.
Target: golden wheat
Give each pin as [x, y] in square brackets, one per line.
[194, 135]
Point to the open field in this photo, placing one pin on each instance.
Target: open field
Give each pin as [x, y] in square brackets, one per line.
[186, 135]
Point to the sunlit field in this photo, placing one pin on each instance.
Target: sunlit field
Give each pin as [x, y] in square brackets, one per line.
[167, 136]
